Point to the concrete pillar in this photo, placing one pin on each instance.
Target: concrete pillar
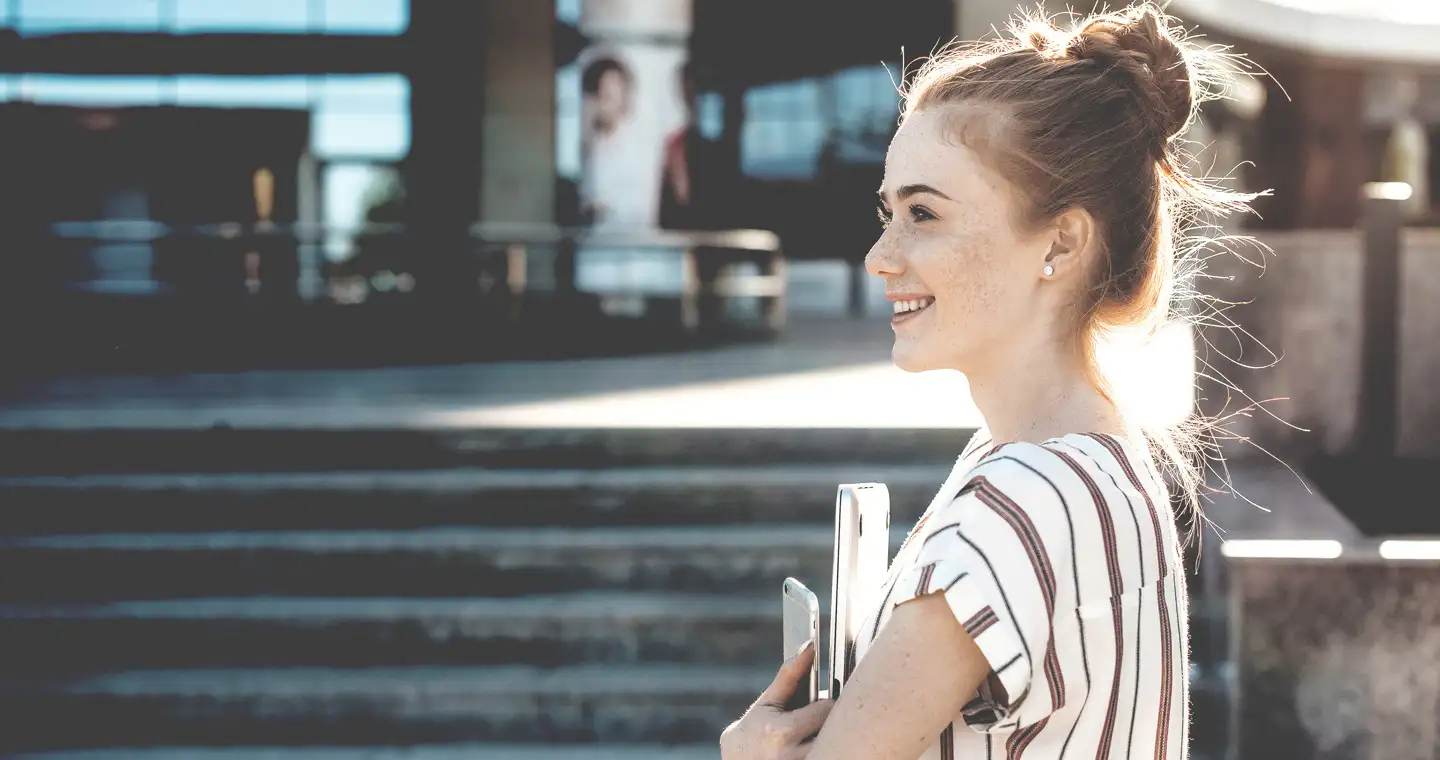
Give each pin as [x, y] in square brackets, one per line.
[446, 67]
[1380, 300]
[307, 216]
[518, 127]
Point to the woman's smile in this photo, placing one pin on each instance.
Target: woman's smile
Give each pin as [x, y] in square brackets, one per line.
[909, 310]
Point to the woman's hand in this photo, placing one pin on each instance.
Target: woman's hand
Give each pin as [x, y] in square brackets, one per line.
[767, 731]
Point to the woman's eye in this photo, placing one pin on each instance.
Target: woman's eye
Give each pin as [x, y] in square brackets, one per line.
[920, 213]
[884, 214]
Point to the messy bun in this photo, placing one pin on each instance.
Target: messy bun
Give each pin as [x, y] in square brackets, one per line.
[1092, 112]
[1137, 44]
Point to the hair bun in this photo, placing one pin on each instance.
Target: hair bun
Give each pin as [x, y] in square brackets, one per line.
[1139, 42]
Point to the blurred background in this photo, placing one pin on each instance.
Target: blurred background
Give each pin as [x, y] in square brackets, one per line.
[441, 378]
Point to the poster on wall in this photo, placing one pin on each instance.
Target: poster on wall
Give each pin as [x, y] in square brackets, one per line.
[631, 103]
[633, 84]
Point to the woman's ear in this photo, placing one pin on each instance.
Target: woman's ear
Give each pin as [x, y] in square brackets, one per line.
[1075, 232]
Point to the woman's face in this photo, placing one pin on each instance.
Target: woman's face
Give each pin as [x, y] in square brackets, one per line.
[612, 97]
[951, 242]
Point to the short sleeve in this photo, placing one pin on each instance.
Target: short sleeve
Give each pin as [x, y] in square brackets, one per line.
[995, 553]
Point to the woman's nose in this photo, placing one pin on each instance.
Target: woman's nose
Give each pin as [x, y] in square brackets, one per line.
[882, 260]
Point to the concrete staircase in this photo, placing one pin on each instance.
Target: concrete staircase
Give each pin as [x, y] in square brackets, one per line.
[533, 594]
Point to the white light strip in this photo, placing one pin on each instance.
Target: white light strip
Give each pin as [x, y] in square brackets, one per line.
[1390, 191]
[1282, 548]
[1410, 549]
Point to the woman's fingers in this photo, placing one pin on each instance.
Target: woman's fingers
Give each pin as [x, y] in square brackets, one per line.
[767, 730]
[791, 675]
[805, 723]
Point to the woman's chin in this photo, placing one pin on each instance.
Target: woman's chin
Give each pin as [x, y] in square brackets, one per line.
[906, 357]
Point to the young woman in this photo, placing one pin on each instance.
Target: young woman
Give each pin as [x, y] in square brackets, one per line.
[1038, 608]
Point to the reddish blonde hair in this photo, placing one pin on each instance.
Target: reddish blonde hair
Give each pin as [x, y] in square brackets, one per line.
[1088, 117]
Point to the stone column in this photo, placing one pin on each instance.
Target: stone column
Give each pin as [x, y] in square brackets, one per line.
[517, 143]
[446, 66]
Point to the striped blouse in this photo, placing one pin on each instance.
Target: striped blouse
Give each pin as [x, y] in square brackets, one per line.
[1062, 562]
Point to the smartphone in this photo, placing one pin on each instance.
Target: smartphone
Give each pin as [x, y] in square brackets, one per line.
[801, 622]
[862, 555]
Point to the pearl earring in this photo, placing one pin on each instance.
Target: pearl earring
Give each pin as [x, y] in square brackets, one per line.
[1049, 270]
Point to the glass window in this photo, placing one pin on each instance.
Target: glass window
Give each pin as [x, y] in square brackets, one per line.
[861, 95]
[365, 116]
[784, 129]
[56, 16]
[353, 135]
[365, 16]
[240, 91]
[568, 11]
[364, 93]
[567, 122]
[359, 117]
[249, 15]
[60, 89]
[354, 193]
[710, 115]
[272, 16]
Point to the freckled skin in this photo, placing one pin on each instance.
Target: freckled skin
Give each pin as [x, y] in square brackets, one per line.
[982, 272]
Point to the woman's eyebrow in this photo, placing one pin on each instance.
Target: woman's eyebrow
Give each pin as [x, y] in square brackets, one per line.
[906, 191]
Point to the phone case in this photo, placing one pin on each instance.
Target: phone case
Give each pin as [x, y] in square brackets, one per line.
[801, 623]
[862, 555]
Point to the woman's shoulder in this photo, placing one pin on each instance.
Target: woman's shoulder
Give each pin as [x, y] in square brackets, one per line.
[1062, 469]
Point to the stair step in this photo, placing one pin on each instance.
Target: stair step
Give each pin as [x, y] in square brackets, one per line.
[548, 631]
[33, 451]
[451, 562]
[404, 499]
[384, 706]
[706, 751]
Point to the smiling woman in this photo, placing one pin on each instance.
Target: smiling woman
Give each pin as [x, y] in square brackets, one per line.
[1035, 202]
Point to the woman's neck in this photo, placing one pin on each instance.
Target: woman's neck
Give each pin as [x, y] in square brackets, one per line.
[1037, 400]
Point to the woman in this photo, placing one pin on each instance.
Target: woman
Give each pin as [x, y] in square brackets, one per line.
[1038, 608]
[613, 170]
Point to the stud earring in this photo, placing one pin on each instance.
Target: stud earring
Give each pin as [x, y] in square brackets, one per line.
[1049, 270]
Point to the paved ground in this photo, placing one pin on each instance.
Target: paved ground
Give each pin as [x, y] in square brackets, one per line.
[824, 372]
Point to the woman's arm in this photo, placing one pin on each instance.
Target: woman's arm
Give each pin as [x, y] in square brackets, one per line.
[914, 680]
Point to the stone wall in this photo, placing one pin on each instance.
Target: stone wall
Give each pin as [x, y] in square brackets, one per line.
[1336, 659]
[1305, 306]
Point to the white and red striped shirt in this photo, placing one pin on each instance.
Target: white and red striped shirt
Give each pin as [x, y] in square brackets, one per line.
[1063, 563]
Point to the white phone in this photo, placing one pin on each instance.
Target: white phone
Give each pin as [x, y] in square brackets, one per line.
[862, 556]
[801, 623]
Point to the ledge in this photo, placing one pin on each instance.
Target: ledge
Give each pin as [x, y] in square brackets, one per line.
[1367, 37]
